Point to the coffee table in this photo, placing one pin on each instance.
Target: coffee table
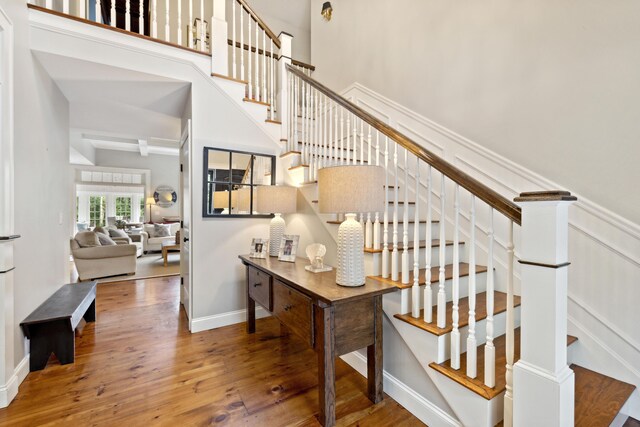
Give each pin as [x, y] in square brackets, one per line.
[169, 246]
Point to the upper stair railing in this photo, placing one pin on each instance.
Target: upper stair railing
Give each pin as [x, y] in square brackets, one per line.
[327, 130]
[182, 23]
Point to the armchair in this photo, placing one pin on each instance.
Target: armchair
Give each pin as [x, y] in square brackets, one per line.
[152, 243]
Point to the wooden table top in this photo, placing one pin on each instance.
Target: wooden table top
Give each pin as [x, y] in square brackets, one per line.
[322, 286]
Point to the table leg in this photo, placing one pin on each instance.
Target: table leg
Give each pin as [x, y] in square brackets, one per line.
[325, 348]
[251, 310]
[164, 255]
[374, 356]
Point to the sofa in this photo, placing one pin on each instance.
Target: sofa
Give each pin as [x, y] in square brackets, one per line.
[132, 239]
[151, 242]
[102, 261]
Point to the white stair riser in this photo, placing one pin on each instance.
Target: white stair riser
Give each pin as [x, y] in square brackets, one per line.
[273, 129]
[234, 89]
[435, 256]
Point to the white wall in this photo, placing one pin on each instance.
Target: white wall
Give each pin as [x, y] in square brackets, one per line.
[550, 85]
[42, 177]
[165, 170]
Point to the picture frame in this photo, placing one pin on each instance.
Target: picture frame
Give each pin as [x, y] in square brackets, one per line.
[288, 247]
[259, 248]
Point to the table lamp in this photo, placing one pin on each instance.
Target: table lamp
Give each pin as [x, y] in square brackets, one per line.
[350, 190]
[221, 201]
[277, 200]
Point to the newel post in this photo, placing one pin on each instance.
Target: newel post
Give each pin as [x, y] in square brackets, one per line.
[219, 39]
[543, 384]
[286, 41]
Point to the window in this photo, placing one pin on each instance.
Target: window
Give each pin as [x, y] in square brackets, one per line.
[123, 208]
[141, 219]
[97, 211]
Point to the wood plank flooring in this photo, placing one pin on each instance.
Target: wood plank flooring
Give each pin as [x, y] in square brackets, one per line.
[139, 365]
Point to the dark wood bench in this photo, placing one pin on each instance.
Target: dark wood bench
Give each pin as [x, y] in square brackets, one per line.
[51, 326]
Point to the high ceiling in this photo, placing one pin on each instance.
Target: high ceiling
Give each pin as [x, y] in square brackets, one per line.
[117, 109]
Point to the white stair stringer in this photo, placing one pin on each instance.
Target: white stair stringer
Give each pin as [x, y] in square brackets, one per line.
[259, 112]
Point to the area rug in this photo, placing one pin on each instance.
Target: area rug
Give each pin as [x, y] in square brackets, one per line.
[148, 266]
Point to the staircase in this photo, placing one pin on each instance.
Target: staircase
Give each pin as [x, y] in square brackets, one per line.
[490, 336]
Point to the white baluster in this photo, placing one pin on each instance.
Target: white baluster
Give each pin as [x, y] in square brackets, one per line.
[343, 155]
[203, 34]
[336, 144]
[376, 224]
[264, 66]
[369, 224]
[99, 10]
[348, 138]
[296, 106]
[65, 6]
[167, 27]
[489, 348]
[290, 110]
[472, 350]
[455, 315]
[234, 68]
[428, 293]
[82, 9]
[272, 87]
[140, 17]
[112, 13]
[330, 132]
[385, 244]
[415, 294]
[256, 67]
[48, 4]
[127, 15]
[508, 395]
[405, 221]
[442, 299]
[305, 135]
[361, 142]
[394, 255]
[179, 34]
[242, 70]
[249, 61]
[154, 20]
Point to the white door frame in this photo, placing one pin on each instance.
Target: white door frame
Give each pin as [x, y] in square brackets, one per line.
[186, 138]
[8, 378]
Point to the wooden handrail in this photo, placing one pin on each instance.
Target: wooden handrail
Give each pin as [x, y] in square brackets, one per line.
[475, 187]
[260, 22]
[303, 65]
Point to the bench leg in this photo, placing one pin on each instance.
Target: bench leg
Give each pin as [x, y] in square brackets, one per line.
[55, 337]
[90, 315]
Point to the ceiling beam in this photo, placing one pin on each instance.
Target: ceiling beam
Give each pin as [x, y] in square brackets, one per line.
[144, 147]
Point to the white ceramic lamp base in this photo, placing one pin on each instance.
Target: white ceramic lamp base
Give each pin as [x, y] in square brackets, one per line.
[350, 268]
[276, 230]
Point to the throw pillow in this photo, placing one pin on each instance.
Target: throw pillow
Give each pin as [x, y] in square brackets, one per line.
[105, 240]
[162, 230]
[87, 239]
[102, 230]
[114, 232]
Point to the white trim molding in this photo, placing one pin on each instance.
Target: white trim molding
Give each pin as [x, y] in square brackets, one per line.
[420, 407]
[9, 390]
[206, 323]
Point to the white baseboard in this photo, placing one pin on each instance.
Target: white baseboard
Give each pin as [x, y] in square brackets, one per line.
[10, 390]
[225, 319]
[424, 410]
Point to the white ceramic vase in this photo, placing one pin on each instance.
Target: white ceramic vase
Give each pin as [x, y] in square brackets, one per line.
[276, 230]
[350, 268]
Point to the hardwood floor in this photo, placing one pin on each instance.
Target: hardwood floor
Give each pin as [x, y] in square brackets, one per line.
[139, 365]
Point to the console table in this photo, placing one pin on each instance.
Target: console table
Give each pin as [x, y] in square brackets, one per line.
[332, 319]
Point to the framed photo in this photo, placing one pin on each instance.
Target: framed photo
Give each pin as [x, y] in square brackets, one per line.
[259, 248]
[288, 248]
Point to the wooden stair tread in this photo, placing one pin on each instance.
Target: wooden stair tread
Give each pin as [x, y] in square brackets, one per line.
[255, 101]
[435, 243]
[316, 181]
[289, 153]
[477, 384]
[298, 167]
[500, 306]
[320, 145]
[422, 221]
[244, 82]
[631, 422]
[599, 398]
[277, 122]
[390, 202]
[435, 271]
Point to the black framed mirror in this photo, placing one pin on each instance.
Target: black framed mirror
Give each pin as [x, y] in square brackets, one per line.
[230, 182]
